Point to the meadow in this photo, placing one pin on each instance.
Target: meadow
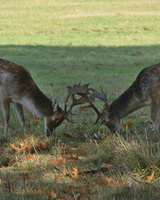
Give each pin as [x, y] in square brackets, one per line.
[62, 42]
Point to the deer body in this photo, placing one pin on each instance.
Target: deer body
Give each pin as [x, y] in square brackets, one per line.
[145, 90]
[18, 87]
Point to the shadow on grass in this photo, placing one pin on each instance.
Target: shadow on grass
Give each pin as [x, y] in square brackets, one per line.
[73, 56]
[54, 67]
[62, 65]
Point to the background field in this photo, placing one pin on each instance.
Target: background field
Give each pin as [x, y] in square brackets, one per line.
[63, 42]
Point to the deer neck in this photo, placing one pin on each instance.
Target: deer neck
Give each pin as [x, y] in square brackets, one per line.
[38, 103]
[131, 100]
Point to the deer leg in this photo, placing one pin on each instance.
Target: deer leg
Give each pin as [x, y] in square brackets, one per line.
[158, 115]
[6, 113]
[20, 114]
[155, 112]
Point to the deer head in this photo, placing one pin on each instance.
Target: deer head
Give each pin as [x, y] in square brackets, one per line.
[55, 119]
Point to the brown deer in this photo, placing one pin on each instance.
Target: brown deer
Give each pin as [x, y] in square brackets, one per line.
[144, 91]
[18, 87]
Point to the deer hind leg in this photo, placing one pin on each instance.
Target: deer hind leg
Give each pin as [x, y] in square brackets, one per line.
[6, 113]
[20, 114]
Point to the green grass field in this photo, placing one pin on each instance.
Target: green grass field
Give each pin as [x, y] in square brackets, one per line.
[63, 42]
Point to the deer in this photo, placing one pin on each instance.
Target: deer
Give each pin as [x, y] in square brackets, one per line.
[18, 87]
[144, 91]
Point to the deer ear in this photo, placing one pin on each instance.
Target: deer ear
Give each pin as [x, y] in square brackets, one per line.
[106, 106]
[55, 104]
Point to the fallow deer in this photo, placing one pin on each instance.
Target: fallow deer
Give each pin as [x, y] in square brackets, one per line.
[144, 91]
[18, 87]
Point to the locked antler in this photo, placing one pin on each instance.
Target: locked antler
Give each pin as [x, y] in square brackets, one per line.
[76, 89]
[86, 97]
[101, 96]
[78, 101]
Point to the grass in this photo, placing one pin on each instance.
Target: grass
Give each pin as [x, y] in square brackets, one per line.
[62, 42]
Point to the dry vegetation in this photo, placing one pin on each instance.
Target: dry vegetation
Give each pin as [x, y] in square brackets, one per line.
[95, 166]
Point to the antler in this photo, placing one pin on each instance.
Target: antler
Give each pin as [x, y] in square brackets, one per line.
[78, 101]
[76, 89]
[101, 96]
[86, 97]
[96, 94]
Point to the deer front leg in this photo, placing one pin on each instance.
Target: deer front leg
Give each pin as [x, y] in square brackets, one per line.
[6, 113]
[157, 121]
[20, 114]
[155, 112]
